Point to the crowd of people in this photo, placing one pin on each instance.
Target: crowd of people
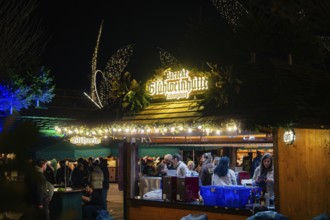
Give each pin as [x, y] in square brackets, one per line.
[90, 175]
[214, 170]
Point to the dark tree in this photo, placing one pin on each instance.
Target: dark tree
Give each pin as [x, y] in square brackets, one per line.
[21, 37]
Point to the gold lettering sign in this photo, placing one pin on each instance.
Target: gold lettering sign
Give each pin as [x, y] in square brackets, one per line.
[177, 85]
[85, 140]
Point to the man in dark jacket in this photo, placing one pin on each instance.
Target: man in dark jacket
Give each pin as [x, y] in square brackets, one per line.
[255, 163]
[207, 168]
[106, 181]
[39, 192]
[77, 176]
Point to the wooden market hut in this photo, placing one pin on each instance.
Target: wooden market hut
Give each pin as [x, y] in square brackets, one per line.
[273, 98]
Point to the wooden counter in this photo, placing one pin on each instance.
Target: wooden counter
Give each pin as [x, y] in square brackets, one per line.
[66, 203]
[150, 209]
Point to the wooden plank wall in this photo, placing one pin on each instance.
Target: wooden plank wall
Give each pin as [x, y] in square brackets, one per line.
[303, 174]
[156, 213]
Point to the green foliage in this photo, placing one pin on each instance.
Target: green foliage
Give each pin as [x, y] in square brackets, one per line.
[17, 92]
[14, 94]
[124, 95]
[221, 85]
[42, 86]
[266, 31]
[136, 98]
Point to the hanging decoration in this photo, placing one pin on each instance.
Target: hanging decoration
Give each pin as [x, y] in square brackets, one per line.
[231, 127]
[113, 71]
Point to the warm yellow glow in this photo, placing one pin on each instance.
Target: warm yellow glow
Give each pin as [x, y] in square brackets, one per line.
[85, 140]
[176, 85]
[120, 130]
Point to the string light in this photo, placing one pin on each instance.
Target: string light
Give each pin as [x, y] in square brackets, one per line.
[114, 68]
[232, 11]
[134, 129]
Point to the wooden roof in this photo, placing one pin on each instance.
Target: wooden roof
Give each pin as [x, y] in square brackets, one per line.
[185, 111]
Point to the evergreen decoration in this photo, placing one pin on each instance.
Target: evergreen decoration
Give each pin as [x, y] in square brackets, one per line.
[136, 98]
[18, 92]
[42, 87]
[14, 95]
[224, 84]
[125, 95]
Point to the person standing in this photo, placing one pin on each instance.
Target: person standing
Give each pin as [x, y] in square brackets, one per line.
[106, 182]
[161, 170]
[247, 163]
[264, 174]
[181, 167]
[255, 163]
[168, 162]
[96, 177]
[63, 173]
[222, 175]
[39, 192]
[199, 164]
[191, 167]
[49, 173]
[77, 176]
[206, 171]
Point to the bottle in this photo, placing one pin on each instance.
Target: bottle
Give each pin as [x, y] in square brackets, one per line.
[251, 198]
[262, 199]
[250, 201]
[267, 199]
[256, 196]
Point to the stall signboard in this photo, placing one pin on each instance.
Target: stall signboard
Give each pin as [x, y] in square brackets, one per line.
[177, 85]
[78, 140]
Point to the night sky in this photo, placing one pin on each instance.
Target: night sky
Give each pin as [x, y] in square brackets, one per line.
[72, 27]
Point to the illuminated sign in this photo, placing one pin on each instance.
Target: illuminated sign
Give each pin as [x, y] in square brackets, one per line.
[177, 85]
[85, 140]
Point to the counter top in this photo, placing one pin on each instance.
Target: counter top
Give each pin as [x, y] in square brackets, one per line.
[189, 206]
[67, 190]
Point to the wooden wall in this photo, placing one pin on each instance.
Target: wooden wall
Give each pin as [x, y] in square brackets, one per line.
[303, 173]
[156, 213]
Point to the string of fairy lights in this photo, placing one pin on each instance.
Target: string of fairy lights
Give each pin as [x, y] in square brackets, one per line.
[100, 89]
[232, 11]
[129, 130]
